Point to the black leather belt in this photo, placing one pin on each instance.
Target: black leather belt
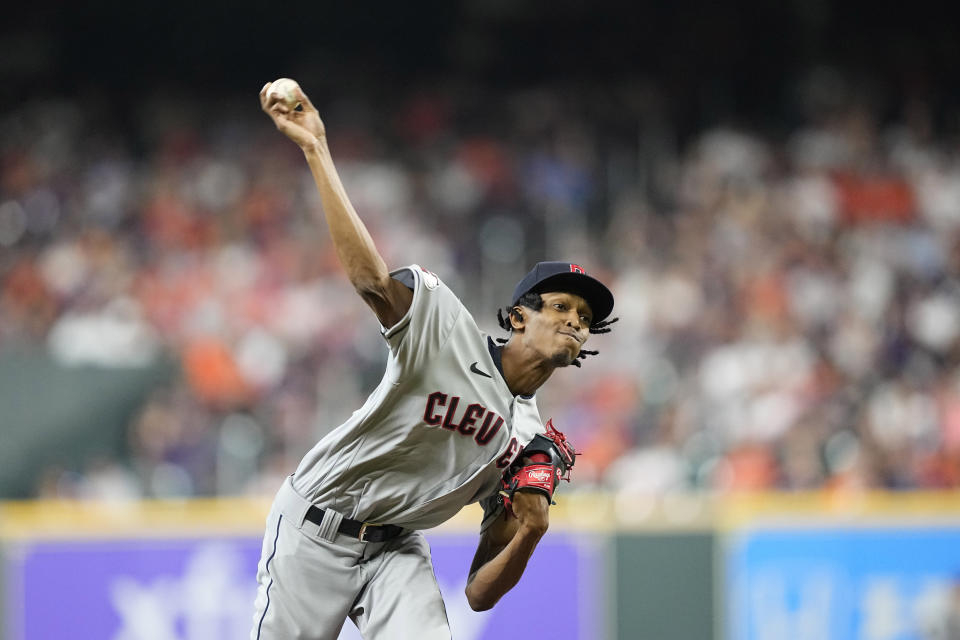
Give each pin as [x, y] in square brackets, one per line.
[356, 529]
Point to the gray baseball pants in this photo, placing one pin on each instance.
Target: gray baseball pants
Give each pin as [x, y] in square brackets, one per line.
[311, 580]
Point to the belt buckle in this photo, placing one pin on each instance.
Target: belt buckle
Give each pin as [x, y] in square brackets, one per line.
[363, 531]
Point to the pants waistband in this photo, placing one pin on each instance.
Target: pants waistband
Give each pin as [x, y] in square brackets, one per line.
[329, 522]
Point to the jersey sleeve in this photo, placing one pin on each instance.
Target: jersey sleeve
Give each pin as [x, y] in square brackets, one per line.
[429, 321]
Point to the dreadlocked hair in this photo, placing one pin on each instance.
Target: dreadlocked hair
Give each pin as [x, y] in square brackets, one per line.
[532, 300]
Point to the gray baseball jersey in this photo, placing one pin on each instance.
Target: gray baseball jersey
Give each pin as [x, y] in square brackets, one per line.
[438, 431]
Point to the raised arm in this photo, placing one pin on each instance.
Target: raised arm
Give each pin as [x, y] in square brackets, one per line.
[504, 549]
[296, 117]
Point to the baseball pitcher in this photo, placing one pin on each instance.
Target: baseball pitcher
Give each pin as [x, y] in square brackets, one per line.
[453, 421]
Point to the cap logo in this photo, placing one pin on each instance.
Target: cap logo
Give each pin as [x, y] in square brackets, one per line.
[575, 268]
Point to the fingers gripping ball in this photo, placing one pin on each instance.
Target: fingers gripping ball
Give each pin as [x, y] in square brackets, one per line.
[285, 90]
[541, 466]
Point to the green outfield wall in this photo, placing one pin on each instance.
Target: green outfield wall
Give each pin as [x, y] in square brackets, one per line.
[53, 415]
[664, 586]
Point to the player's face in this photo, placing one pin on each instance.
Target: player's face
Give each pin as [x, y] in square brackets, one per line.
[561, 327]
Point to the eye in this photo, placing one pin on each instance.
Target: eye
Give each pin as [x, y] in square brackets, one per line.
[559, 306]
[585, 320]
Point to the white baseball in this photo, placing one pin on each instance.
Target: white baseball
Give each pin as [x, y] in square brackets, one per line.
[285, 89]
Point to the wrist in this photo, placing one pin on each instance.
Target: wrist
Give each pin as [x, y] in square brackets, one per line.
[316, 147]
[532, 529]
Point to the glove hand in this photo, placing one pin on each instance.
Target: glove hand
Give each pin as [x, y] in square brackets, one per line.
[545, 461]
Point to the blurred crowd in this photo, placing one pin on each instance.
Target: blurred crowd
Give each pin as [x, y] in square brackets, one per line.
[789, 297]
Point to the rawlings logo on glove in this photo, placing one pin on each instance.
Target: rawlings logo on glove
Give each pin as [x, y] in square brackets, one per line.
[540, 467]
[540, 476]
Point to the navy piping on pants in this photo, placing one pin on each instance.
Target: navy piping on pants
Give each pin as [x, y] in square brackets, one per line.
[267, 568]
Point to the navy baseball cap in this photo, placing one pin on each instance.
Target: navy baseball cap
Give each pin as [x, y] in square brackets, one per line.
[570, 278]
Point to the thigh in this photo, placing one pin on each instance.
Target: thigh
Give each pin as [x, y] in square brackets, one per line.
[305, 587]
[402, 599]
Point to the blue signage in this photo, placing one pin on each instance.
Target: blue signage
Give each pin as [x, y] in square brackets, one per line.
[866, 583]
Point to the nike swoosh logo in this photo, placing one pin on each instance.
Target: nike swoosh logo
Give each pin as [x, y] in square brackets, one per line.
[474, 369]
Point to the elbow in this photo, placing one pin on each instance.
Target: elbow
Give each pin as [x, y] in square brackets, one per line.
[481, 606]
[478, 603]
[368, 274]
[538, 530]
[479, 600]
[534, 529]
[371, 288]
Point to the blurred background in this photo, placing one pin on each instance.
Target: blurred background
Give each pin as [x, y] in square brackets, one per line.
[772, 191]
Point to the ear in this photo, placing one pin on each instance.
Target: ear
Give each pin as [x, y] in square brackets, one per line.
[517, 319]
